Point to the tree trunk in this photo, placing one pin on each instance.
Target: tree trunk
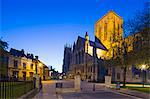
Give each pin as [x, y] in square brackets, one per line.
[124, 76]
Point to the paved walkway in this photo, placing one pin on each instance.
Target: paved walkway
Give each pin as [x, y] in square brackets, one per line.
[48, 91]
[100, 93]
[95, 95]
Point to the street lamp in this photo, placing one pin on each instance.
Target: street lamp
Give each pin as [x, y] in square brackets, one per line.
[143, 67]
[40, 64]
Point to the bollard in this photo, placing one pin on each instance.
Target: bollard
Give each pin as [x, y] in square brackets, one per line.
[93, 87]
[118, 86]
[59, 85]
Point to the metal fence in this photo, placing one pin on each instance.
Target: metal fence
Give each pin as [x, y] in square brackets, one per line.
[10, 89]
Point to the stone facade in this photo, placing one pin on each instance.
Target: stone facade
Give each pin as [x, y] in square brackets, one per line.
[23, 67]
[67, 59]
[84, 59]
[109, 30]
[46, 75]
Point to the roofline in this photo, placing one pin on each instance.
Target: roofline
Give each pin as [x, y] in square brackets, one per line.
[107, 14]
[94, 42]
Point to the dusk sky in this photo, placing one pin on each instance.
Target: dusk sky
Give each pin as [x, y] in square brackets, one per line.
[43, 27]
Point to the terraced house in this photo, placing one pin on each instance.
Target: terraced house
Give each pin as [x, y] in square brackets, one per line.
[23, 66]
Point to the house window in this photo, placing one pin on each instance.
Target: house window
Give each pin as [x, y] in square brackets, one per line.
[15, 63]
[31, 66]
[24, 75]
[15, 74]
[31, 74]
[24, 65]
[118, 76]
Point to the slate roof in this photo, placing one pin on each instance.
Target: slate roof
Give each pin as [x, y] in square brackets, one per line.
[97, 43]
[18, 53]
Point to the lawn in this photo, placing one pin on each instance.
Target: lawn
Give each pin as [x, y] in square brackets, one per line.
[14, 89]
[141, 89]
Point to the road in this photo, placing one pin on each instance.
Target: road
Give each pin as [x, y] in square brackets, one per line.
[48, 92]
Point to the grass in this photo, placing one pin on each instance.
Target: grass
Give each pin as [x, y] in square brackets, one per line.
[141, 89]
[14, 89]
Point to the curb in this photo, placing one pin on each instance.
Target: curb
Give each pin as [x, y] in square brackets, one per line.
[30, 94]
[129, 94]
[139, 96]
[147, 96]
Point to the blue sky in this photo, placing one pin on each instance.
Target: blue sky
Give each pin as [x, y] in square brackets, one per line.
[43, 27]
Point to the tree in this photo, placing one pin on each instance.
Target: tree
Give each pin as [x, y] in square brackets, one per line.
[3, 44]
[139, 22]
[124, 63]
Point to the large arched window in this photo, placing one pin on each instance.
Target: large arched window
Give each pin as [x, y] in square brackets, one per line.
[76, 59]
[100, 28]
[105, 31]
[79, 57]
[82, 56]
[114, 27]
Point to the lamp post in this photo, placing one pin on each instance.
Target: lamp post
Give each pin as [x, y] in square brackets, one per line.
[86, 62]
[94, 62]
[143, 67]
[124, 62]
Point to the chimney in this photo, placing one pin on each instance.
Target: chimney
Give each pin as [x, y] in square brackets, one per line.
[28, 55]
[36, 57]
[22, 51]
[32, 56]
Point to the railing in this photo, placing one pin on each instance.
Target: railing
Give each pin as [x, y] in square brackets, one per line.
[14, 89]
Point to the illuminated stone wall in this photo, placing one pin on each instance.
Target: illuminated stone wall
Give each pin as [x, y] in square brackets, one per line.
[109, 31]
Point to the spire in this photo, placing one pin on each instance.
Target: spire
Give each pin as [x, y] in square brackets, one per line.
[86, 36]
[74, 46]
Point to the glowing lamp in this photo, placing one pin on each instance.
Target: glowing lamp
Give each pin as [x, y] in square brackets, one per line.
[143, 67]
[40, 64]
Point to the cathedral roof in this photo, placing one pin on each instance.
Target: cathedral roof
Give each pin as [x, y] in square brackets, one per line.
[97, 42]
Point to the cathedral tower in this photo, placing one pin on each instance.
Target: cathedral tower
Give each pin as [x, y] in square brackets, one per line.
[109, 31]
